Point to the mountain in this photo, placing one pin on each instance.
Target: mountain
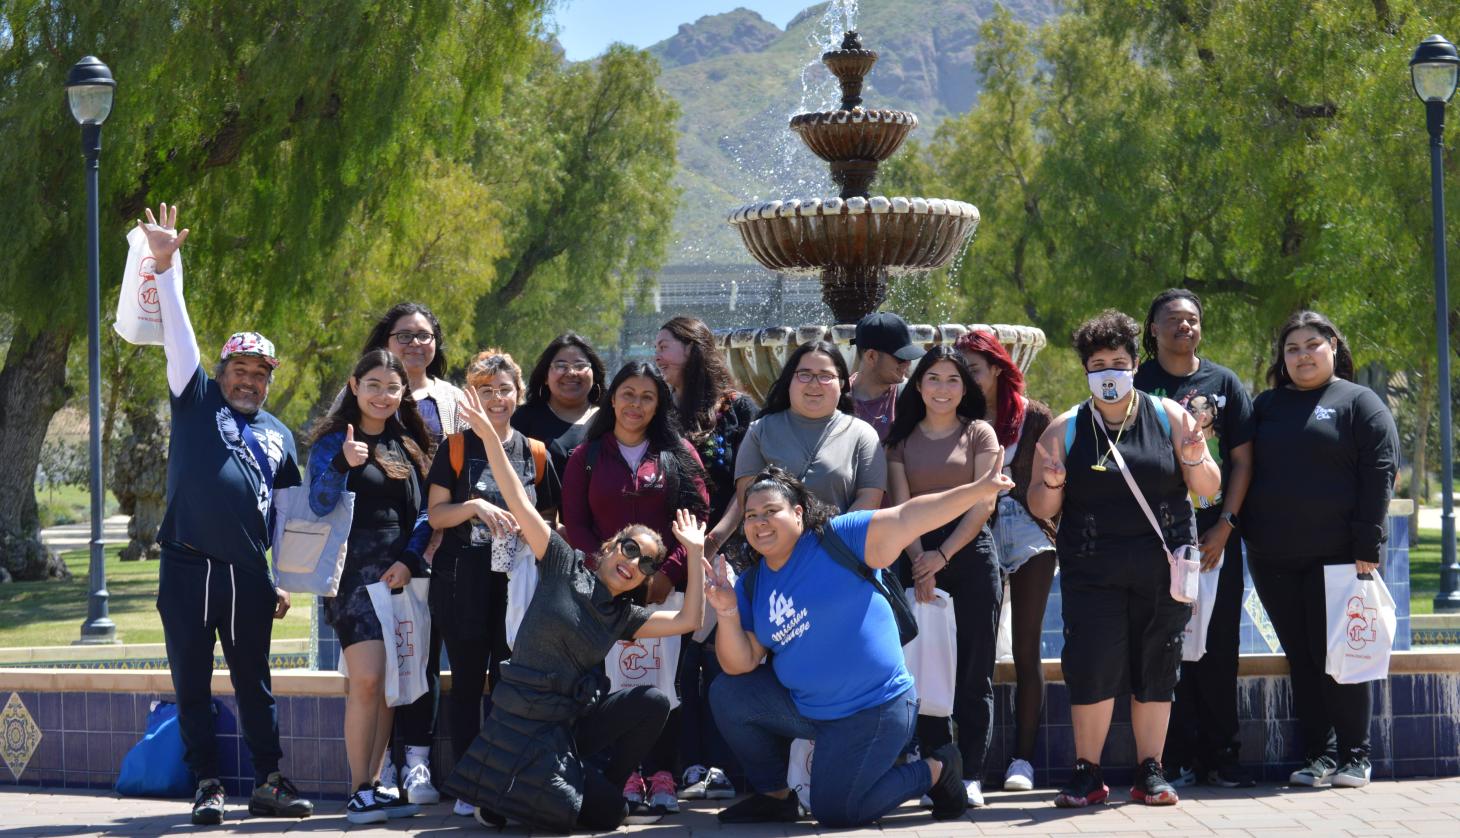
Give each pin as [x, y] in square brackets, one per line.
[739, 79]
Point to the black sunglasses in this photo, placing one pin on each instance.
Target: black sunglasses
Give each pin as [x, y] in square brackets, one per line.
[648, 565]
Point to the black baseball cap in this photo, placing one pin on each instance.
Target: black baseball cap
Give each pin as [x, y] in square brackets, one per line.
[886, 332]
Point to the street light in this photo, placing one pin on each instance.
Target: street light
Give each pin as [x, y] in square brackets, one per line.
[89, 90]
[1433, 71]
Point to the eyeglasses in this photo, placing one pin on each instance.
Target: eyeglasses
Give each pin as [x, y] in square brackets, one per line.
[648, 565]
[375, 388]
[407, 338]
[561, 367]
[506, 391]
[807, 376]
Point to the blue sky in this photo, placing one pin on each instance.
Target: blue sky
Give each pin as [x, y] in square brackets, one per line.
[586, 27]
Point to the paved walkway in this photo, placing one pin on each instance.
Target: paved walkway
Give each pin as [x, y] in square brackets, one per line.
[77, 536]
[1420, 807]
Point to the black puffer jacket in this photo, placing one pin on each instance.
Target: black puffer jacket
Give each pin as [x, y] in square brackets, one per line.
[524, 765]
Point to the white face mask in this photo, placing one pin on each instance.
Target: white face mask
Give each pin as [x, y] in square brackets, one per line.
[1110, 385]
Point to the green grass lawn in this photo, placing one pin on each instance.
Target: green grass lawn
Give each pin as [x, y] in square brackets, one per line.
[51, 613]
[1424, 572]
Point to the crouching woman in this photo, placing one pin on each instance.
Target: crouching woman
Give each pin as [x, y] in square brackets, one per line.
[836, 673]
[549, 708]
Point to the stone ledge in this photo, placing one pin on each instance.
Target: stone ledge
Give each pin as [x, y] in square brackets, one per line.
[305, 683]
[127, 651]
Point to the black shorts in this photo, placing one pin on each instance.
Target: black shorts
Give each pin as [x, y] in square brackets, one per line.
[1122, 628]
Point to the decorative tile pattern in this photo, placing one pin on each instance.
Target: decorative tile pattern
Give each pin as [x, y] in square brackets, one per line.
[22, 735]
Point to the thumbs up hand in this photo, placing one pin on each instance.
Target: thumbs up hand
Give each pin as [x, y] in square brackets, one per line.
[356, 453]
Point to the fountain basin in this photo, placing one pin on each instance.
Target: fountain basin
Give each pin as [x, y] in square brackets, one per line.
[895, 235]
[854, 135]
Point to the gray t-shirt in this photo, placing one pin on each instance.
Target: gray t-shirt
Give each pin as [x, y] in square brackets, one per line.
[847, 459]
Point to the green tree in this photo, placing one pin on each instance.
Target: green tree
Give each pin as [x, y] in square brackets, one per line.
[283, 129]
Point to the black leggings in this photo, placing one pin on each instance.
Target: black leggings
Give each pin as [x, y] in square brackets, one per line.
[1028, 595]
[972, 578]
[415, 723]
[475, 652]
[1333, 717]
[623, 727]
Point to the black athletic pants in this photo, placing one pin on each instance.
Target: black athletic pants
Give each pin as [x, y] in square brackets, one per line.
[622, 727]
[476, 649]
[1334, 718]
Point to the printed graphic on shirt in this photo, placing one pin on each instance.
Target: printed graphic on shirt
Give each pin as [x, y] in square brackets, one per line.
[790, 623]
[1206, 409]
[273, 445]
[1323, 414]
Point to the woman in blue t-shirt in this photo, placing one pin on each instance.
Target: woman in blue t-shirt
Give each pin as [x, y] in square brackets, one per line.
[837, 674]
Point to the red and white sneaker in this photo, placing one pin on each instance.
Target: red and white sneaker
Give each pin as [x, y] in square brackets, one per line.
[1151, 787]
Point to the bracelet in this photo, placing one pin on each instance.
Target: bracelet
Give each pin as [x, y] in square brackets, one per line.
[1190, 464]
[939, 551]
[1047, 486]
[728, 614]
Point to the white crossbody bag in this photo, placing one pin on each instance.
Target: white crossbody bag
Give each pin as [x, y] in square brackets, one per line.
[1185, 562]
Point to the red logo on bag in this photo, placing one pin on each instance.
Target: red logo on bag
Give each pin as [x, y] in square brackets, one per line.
[1361, 631]
[403, 646]
[147, 290]
[637, 662]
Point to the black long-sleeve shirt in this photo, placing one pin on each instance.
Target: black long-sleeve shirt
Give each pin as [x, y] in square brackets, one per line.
[1324, 467]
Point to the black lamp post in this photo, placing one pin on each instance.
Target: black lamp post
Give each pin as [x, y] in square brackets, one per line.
[89, 90]
[1433, 71]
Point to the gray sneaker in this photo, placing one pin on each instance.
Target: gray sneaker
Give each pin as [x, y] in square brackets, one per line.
[1354, 774]
[1316, 773]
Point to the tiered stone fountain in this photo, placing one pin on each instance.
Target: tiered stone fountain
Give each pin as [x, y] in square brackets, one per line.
[855, 240]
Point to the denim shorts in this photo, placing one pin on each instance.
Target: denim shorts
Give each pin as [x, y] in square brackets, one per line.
[1017, 535]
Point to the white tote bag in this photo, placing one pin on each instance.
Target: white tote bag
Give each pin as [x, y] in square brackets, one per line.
[798, 770]
[406, 622]
[139, 311]
[1361, 624]
[932, 656]
[1194, 637]
[521, 585]
[651, 661]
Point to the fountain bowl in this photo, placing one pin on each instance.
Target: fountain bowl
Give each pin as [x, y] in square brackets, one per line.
[857, 134]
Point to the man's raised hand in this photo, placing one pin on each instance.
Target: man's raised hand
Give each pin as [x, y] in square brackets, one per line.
[163, 237]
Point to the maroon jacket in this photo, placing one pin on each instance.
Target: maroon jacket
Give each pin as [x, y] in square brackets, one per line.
[598, 505]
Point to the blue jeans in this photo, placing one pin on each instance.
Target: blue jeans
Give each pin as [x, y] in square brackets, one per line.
[854, 778]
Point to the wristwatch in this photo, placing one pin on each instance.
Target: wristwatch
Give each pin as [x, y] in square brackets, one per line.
[1230, 518]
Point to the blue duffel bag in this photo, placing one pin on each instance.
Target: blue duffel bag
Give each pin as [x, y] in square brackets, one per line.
[155, 766]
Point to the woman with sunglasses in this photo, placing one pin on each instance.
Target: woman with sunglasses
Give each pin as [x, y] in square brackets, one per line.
[562, 396]
[634, 468]
[549, 711]
[836, 673]
[807, 427]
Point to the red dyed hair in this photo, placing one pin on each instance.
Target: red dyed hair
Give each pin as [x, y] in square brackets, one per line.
[1010, 386]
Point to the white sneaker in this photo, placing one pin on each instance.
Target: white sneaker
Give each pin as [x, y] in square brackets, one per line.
[975, 792]
[464, 809]
[925, 802]
[692, 784]
[388, 777]
[418, 788]
[1020, 776]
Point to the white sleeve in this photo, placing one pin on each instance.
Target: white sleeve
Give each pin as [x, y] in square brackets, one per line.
[178, 341]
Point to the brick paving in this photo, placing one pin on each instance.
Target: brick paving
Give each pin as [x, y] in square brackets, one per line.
[1389, 807]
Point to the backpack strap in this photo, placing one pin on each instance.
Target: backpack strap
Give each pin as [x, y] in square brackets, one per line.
[590, 457]
[539, 460]
[456, 450]
[1161, 415]
[1069, 417]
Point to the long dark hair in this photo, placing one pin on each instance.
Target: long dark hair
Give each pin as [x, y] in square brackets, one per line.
[1148, 340]
[379, 337]
[1343, 360]
[1009, 387]
[910, 406]
[676, 463]
[417, 440]
[815, 513]
[779, 397]
[537, 389]
[706, 379]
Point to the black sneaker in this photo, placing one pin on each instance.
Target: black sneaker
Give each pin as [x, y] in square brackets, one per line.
[1228, 773]
[640, 812]
[1151, 787]
[762, 808]
[950, 798]
[394, 805]
[1085, 788]
[1317, 773]
[364, 807]
[278, 798]
[208, 804]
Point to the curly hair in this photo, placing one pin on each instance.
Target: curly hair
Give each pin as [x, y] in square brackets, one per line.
[492, 362]
[537, 389]
[815, 513]
[418, 442]
[706, 378]
[778, 398]
[379, 337]
[1110, 329]
[1010, 386]
[1148, 341]
[1343, 359]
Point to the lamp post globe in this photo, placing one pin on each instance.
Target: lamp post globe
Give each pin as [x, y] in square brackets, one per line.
[1433, 70]
[89, 92]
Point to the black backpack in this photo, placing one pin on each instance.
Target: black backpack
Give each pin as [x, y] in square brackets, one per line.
[907, 625]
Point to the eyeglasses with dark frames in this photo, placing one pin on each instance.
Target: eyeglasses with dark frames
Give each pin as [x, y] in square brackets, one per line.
[406, 338]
